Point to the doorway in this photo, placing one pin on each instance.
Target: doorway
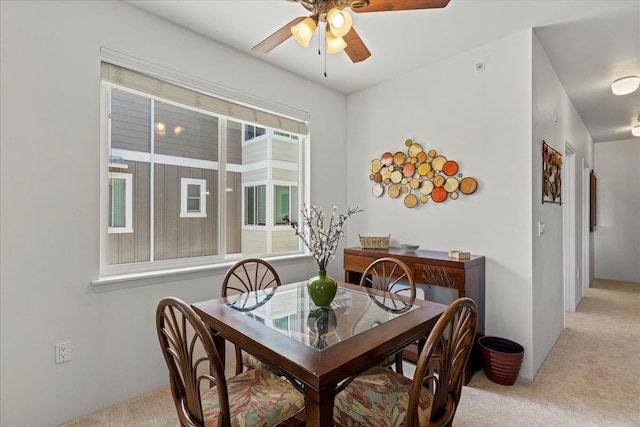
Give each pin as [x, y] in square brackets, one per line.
[569, 225]
[586, 183]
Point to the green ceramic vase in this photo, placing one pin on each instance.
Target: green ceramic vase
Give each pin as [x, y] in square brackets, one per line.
[322, 289]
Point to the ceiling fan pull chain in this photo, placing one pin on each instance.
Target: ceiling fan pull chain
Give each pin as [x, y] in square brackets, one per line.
[325, 62]
[325, 50]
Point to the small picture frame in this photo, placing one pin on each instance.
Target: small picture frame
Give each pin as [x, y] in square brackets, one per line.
[551, 174]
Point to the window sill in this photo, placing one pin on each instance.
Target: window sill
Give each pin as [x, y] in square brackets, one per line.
[130, 280]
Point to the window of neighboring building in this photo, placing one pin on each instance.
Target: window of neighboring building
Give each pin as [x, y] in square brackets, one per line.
[193, 198]
[256, 205]
[220, 164]
[285, 134]
[285, 204]
[120, 203]
[251, 132]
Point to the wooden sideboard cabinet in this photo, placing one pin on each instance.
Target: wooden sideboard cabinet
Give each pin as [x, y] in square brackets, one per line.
[433, 268]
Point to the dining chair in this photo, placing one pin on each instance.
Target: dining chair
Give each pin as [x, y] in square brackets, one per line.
[244, 276]
[394, 276]
[202, 394]
[381, 397]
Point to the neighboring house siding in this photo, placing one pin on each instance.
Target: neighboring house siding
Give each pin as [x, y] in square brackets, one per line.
[255, 176]
[131, 118]
[285, 175]
[254, 241]
[255, 151]
[234, 143]
[284, 240]
[284, 150]
[234, 213]
[134, 247]
[177, 237]
[197, 140]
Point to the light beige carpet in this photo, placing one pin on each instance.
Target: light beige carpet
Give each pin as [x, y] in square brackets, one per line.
[591, 377]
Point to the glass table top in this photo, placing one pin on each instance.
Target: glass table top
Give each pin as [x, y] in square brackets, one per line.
[291, 312]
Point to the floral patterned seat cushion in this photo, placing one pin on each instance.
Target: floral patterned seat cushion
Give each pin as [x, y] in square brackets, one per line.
[256, 398]
[252, 362]
[388, 362]
[379, 397]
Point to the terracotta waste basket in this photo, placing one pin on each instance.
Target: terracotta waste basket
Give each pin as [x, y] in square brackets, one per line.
[502, 359]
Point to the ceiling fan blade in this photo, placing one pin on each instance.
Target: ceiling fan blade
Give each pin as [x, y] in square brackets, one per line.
[276, 38]
[356, 48]
[391, 5]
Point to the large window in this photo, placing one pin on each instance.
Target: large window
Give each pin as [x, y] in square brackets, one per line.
[199, 186]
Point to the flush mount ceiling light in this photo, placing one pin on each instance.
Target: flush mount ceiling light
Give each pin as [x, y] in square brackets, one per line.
[635, 131]
[625, 85]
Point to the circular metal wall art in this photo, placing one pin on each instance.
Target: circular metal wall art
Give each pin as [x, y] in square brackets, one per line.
[378, 190]
[419, 175]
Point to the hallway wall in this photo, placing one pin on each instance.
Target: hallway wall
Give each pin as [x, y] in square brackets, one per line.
[617, 237]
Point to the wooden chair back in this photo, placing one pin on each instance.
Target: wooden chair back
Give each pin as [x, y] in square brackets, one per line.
[390, 275]
[440, 365]
[244, 276]
[193, 361]
[249, 275]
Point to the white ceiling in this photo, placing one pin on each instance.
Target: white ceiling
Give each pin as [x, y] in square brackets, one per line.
[589, 42]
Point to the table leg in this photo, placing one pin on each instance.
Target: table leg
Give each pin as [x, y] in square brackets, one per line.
[318, 414]
[219, 343]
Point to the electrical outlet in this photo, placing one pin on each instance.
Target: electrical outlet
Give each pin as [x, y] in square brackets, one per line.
[63, 352]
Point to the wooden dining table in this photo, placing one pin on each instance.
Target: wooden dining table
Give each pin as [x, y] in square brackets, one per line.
[319, 349]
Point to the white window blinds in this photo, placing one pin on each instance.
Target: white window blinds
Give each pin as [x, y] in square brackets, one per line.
[172, 92]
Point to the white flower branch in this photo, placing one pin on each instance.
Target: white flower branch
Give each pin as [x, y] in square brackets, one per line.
[322, 242]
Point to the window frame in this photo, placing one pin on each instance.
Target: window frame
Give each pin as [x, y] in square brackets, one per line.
[115, 273]
[292, 208]
[184, 197]
[128, 200]
[245, 205]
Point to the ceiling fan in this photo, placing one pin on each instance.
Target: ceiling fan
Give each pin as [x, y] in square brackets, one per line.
[340, 34]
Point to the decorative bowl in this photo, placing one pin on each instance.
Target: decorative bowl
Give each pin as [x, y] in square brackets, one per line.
[409, 248]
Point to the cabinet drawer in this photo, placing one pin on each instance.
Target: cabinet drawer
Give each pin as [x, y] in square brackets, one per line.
[357, 263]
[440, 276]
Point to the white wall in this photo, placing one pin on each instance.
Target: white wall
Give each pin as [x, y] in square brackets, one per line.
[555, 121]
[617, 237]
[483, 121]
[50, 139]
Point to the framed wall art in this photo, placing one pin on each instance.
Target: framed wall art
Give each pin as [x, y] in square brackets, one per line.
[593, 205]
[551, 174]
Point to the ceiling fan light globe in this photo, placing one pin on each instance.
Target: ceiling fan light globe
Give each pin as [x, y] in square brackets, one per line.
[339, 21]
[303, 31]
[625, 85]
[636, 130]
[335, 44]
